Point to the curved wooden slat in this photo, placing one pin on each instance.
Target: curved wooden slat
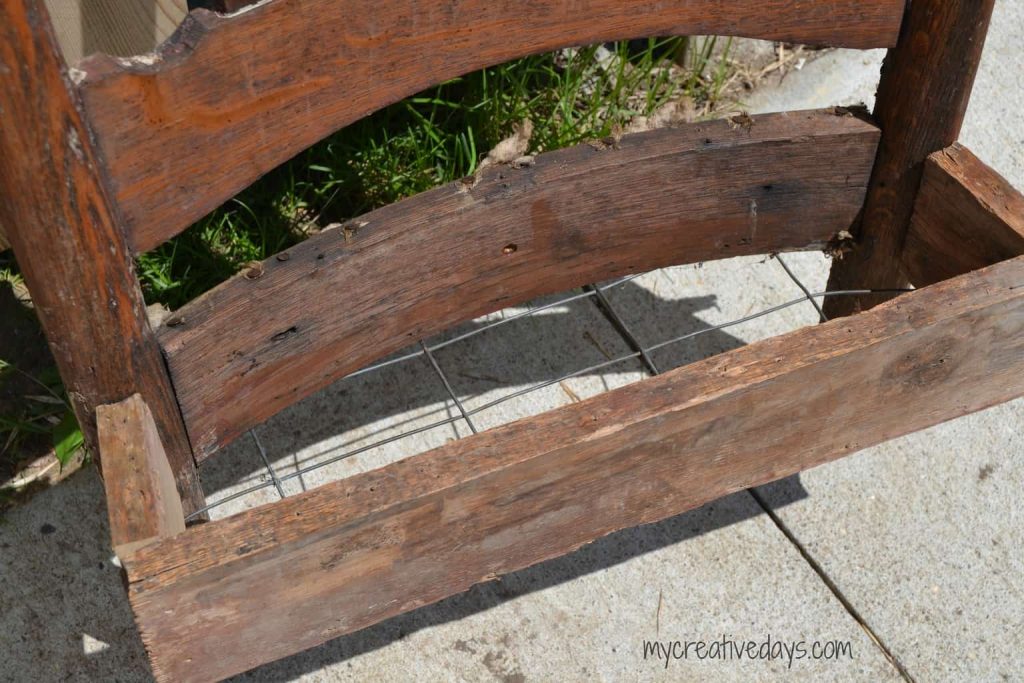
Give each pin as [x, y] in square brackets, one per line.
[346, 297]
[229, 98]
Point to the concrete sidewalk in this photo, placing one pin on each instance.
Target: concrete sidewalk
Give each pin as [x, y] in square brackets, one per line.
[922, 536]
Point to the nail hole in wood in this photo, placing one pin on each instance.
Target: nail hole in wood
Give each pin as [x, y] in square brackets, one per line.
[254, 271]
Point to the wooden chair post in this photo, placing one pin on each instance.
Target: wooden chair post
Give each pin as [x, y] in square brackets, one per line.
[922, 98]
[69, 244]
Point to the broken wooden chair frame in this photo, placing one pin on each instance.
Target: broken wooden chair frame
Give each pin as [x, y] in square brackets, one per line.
[113, 157]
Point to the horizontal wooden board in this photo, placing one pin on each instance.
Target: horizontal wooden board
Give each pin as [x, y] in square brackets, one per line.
[229, 98]
[967, 217]
[349, 296]
[274, 580]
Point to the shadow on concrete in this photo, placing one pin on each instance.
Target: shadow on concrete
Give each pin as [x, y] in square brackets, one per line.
[72, 621]
[64, 615]
[522, 353]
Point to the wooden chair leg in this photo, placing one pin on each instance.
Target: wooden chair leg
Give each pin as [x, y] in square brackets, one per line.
[922, 98]
[72, 251]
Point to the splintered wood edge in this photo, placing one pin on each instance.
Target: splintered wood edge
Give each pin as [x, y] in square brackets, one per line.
[698, 192]
[967, 216]
[162, 119]
[271, 581]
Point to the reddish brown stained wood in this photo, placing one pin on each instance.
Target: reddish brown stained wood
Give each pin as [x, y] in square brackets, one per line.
[59, 220]
[347, 297]
[967, 217]
[926, 85]
[142, 501]
[230, 98]
[274, 580]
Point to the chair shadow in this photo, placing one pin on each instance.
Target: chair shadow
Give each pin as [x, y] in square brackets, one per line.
[69, 521]
[526, 352]
[535, 349]
[23, 345]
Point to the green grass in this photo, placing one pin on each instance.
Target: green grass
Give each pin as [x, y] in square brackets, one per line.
[40, 410]
[430, 139]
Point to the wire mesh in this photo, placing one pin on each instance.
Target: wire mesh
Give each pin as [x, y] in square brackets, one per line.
[598, 294]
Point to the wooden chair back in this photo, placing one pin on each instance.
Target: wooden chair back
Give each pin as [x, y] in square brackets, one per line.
[107, 159]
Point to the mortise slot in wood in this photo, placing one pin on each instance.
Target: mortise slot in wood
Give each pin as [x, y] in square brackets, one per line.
[967, 217]
[293, 72]
[575, 216]
[142, 500]
[352, 553]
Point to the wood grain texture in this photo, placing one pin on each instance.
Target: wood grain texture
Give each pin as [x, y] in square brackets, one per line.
[229, 98]
[274, 580]
[700, 192]
[922, 98]
[967, 217]
[68, 244]
[142, 500]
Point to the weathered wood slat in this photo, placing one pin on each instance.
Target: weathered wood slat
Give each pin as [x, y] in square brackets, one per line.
[922, 98]
[274, 580]
[347, 297]
[61, 224]
[231, 97]
[142, 502]
[967, 217]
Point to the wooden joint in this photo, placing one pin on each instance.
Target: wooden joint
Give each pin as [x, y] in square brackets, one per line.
[922, 99]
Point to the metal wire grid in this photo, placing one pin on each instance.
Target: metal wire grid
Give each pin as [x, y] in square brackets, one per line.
[593, 292]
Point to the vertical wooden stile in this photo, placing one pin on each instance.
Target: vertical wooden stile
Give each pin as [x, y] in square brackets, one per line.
[922, 98]
[64, 230]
